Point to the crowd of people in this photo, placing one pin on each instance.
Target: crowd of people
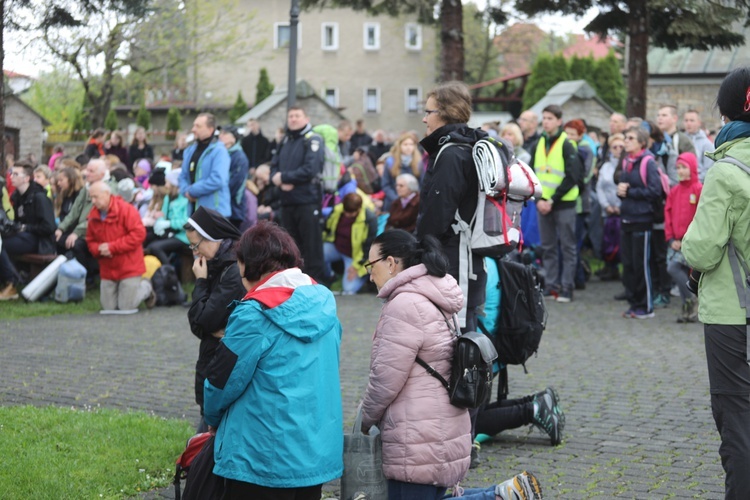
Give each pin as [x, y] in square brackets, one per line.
[268, 234]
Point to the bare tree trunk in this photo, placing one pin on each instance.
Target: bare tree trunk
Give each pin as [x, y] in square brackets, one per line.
[637, 58]
[452, 37]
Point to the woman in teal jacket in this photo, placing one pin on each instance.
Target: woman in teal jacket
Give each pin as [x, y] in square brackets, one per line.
[272, 394]
[169, 227]
[716, 244]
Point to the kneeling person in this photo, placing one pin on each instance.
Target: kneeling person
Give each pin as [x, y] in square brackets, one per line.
[115, 237]
[350, 230]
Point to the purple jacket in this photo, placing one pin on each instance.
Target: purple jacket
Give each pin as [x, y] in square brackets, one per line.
[426, 440]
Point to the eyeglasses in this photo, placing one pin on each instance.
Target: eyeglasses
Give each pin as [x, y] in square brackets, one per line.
[631, 138]
[194, 246]
[368, 265]
[616, 146]
[428, 112]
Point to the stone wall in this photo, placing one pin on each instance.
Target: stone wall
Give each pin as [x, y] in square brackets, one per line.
[596, 116]
[698, 94]
[315, 109]
[30, 125]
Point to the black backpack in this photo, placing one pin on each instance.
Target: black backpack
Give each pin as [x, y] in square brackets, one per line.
[167, 286]
[471, 368]
[522, 314]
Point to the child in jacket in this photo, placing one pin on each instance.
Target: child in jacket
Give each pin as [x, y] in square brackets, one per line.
[679, 211]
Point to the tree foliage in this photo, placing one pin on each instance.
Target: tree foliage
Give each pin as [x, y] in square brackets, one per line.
[143, 118]
[694, 24]
[608, 82]
[264, 88]
[57, 95]
[110, 122]
[174, 122]
[543, 77]
[239, 108]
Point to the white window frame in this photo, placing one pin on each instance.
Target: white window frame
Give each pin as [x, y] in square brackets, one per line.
[418, 29]
[335, 35]
[376, 28]
[416, 108]
[335, 96]
[276, 27]
[377, 100]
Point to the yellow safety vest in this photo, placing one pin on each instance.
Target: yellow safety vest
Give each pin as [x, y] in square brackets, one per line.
[550, 168]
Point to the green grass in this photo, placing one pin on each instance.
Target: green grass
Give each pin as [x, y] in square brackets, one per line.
[19, 309]
[61, 453]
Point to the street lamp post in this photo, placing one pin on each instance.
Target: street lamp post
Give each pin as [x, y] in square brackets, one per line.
[292, 84]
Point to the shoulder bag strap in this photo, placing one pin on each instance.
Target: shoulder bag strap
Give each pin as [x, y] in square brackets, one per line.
[424, 364]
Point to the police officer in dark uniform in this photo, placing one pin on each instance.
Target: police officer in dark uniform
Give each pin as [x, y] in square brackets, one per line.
[296, 168]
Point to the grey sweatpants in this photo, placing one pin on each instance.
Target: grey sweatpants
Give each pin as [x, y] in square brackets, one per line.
[125, 294]
[559, 226]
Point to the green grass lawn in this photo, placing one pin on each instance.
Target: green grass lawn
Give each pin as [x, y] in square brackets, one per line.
[61, 453]
[18, 309]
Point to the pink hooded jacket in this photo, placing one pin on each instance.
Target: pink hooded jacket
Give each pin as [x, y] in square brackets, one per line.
[426, 440]
[682, 201]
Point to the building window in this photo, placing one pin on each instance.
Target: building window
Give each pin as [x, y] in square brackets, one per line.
[413, 99]
[282, 34]
[332, 97]
[372, 100]
[413, 35]
[329, 36]
[372, 36]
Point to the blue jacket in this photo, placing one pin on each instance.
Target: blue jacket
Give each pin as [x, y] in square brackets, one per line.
[638, 204]
[211, 186]
[238, 168]
[273, 386]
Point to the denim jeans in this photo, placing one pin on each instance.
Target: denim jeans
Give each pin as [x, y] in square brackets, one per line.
[331, 255]
[398, 490]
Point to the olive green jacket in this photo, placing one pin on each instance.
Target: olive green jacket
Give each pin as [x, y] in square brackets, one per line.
[723, 213]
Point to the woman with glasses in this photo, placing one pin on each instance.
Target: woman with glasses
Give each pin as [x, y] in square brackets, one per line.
[638, 194]
[426, 440]
[606, 192]
[717, 244]
[218, 282]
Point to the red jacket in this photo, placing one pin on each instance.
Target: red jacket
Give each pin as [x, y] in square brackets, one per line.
[682, 201]
[123, 230]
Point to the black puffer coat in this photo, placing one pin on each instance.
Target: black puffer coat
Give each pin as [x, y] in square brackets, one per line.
[35, 211]
[210, 310]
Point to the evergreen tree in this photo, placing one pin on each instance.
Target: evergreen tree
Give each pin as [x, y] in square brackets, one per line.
[264, 87]
[239, 108]
[174, 122]
[143, 119]
[608, 82]
[561, 71]
[542, 79]
[110, 122]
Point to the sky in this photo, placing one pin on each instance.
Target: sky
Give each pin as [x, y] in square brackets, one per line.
[25, 63]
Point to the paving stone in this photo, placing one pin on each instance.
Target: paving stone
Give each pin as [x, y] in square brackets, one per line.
[635, 393]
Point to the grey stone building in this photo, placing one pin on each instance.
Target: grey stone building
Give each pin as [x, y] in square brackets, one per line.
[577, 99]
[24, 129]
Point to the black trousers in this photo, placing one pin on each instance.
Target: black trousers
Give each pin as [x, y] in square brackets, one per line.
[161, 248]
[80, 251]
[505, 414]
[729, 381]
[661, 277]
[635, 249]
[303, 223]
[237, 490]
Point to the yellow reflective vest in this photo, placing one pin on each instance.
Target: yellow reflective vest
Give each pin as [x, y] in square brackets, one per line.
[550, 168]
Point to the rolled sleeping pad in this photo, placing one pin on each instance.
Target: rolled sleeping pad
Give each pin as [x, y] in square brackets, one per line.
[42, 284]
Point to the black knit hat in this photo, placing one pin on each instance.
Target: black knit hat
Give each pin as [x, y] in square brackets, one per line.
[158, 177]
[212, 225]
[231, 129]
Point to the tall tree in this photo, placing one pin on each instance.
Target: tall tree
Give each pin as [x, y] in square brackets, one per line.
[264, 88]
[694, 24]
[608, 82]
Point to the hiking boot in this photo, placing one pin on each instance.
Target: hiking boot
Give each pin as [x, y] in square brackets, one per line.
[545, 417]
[9, 292]
[621, 296]
[684, 313]
[642, 314]
[523, 486]
[692, 315]
[661, 301]
[475, 461]
[565, 296]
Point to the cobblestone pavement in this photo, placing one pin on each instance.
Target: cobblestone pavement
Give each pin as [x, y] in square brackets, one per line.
[635, 392]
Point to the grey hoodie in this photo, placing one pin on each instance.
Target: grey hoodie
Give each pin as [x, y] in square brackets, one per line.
[702, 145]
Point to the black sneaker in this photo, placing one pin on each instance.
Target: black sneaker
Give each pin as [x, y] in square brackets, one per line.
[548, 416]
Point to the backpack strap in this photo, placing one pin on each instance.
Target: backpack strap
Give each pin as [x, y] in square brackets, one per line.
[736, 162]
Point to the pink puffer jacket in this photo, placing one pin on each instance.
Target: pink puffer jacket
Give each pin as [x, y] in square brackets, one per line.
[426, 440]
